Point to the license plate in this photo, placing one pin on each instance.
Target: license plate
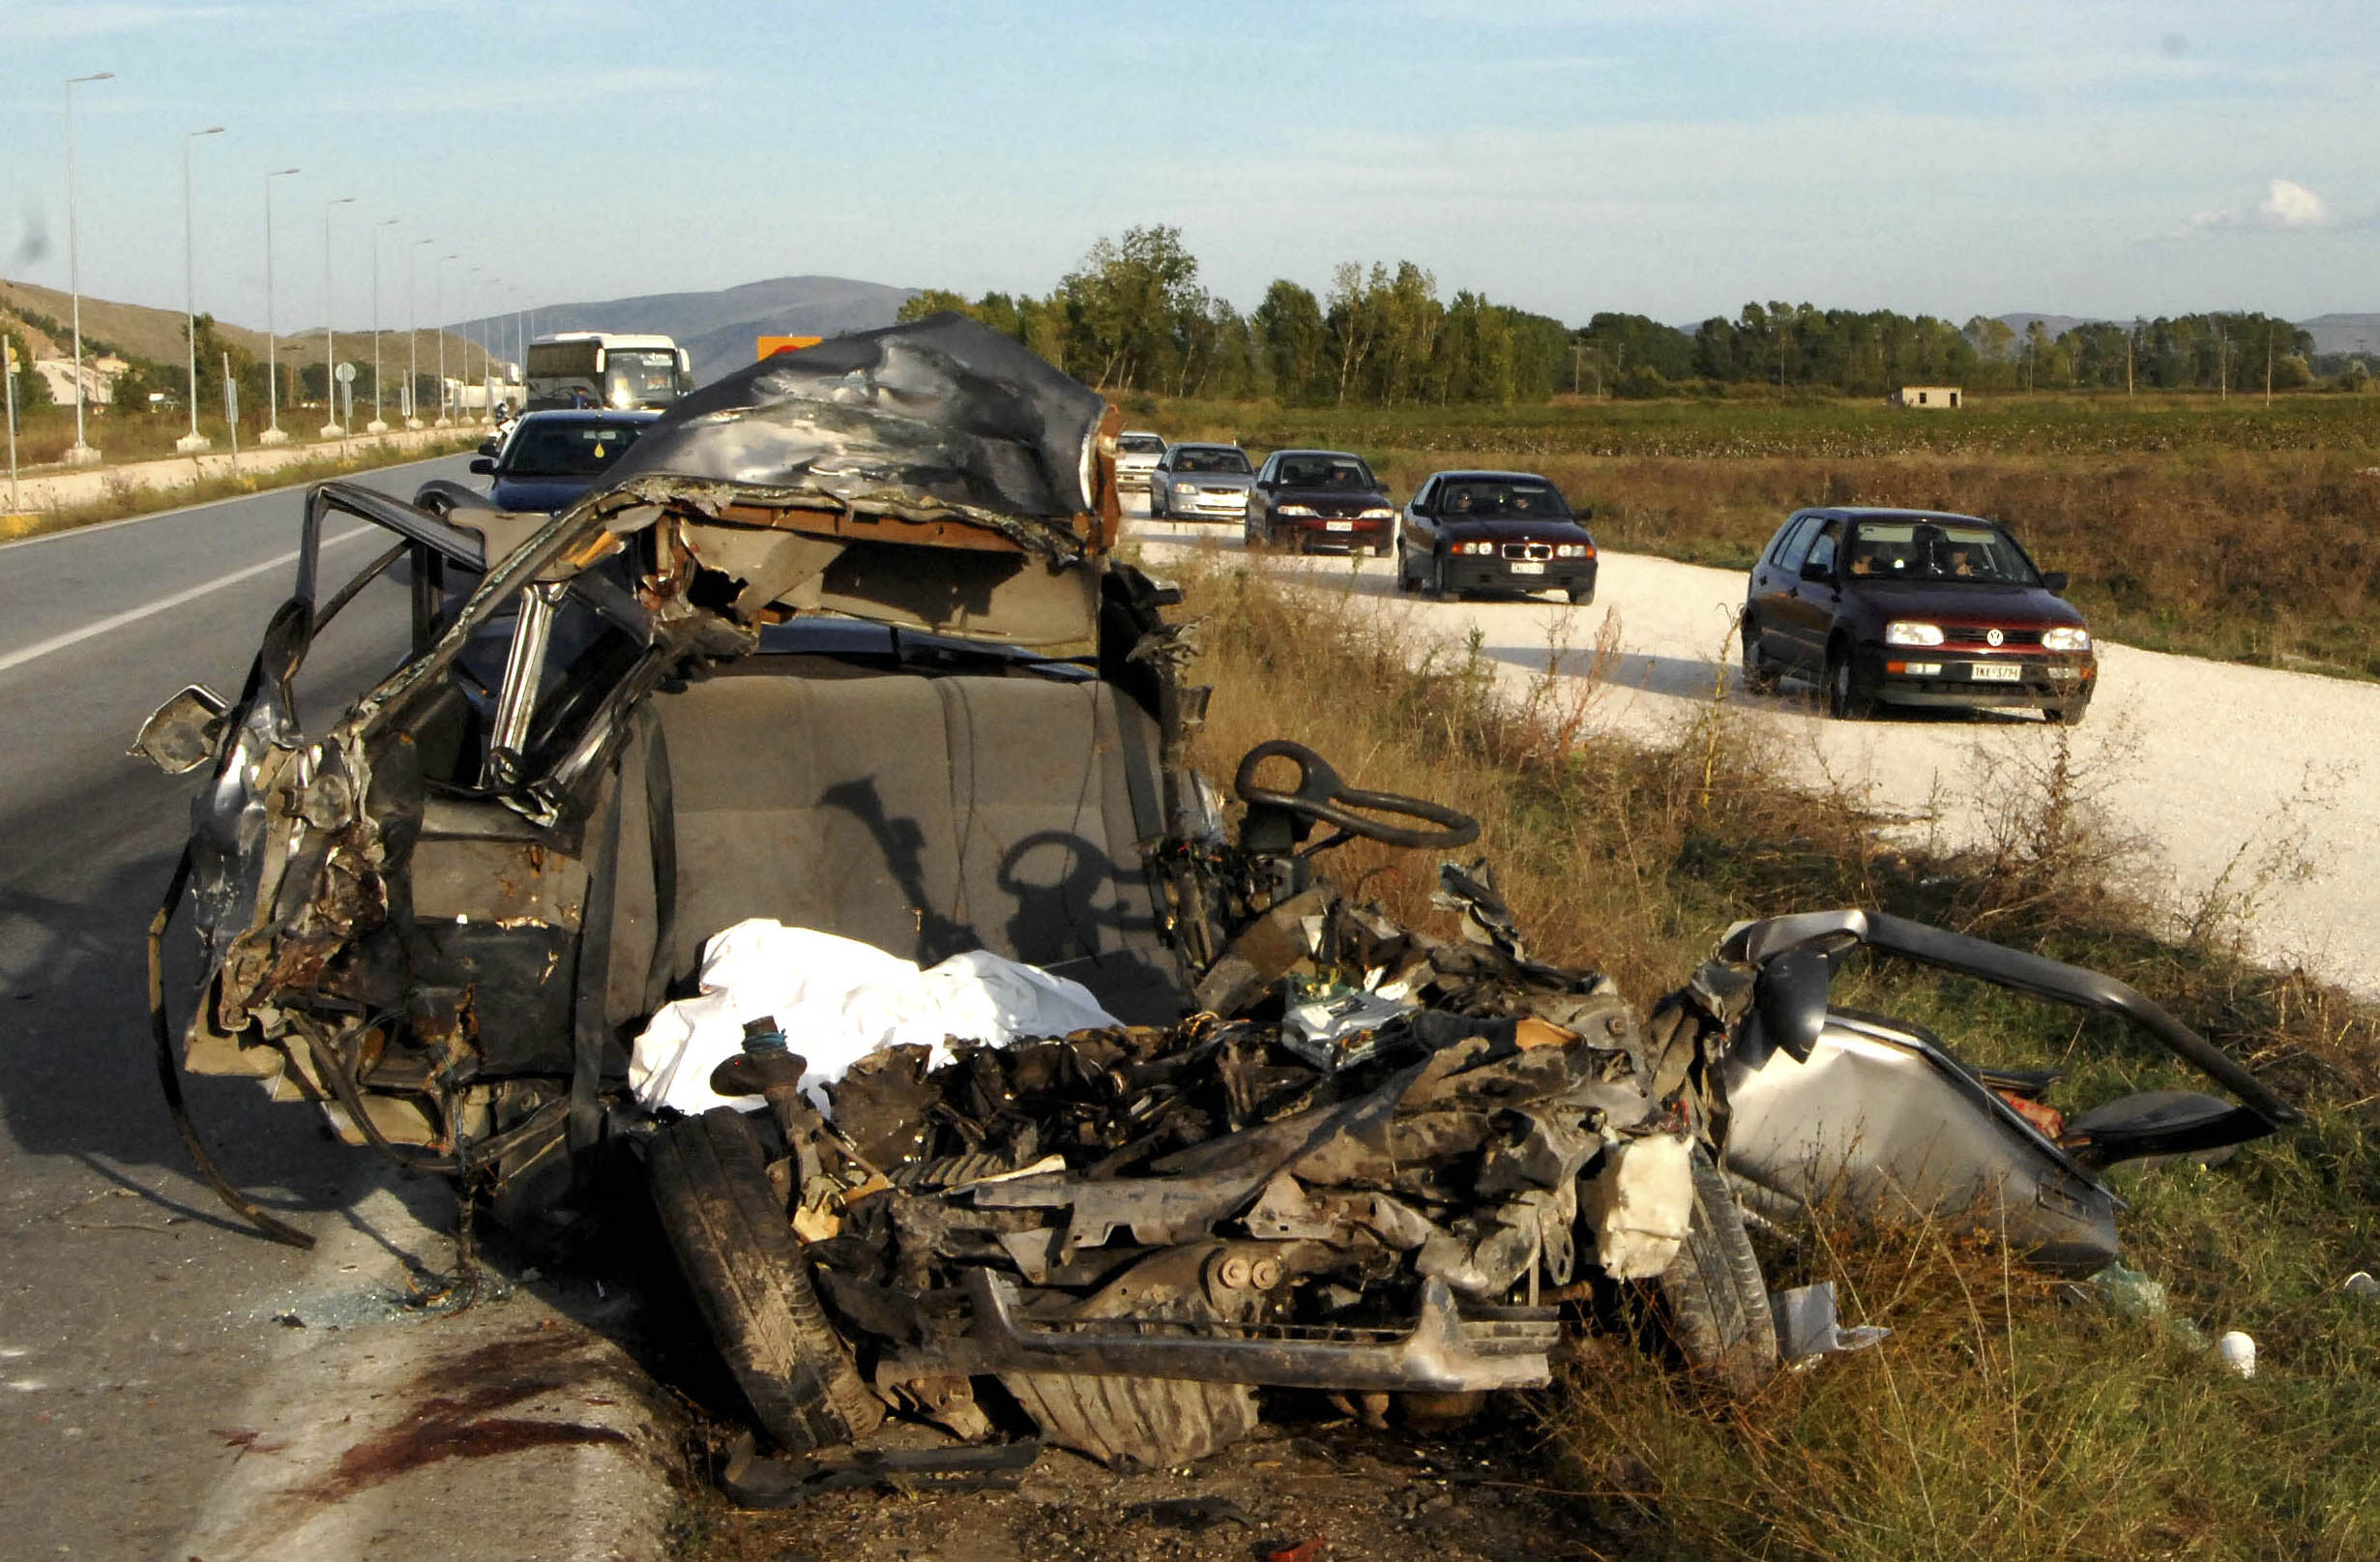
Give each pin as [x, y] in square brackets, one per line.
[1996, 672]
[1338, 525]
[1526, 566]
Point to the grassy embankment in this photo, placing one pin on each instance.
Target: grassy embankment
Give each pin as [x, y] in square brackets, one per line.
[2005, 1418]
[2214, 527]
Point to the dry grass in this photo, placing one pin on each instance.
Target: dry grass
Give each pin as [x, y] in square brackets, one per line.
[2000, 1419]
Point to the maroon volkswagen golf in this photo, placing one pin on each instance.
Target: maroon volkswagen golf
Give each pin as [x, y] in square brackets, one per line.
[1914, 607]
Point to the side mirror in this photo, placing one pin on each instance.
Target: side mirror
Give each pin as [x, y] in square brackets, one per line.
[483, 466]
[1812, 570]
[1790, 996]
[181, 735]
[2054, 582]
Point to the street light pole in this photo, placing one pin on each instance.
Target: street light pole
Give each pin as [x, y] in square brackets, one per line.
[80, 453]
[413, 340]
[332, 427]
[273, 434]
[378, 424]
[438, 307]
[469, 273]
[192, 443]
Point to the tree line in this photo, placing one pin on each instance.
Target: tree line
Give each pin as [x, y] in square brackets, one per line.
[1132, 315]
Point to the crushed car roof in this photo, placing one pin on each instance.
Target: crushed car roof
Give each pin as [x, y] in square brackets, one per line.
[940, 409]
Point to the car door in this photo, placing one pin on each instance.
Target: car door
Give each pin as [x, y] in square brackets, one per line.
[1807, 611]
[1259, 523]
[1158, 478]
[1420, 527]
[1767, 595]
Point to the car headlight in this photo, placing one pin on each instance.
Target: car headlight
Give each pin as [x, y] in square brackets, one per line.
[1294, 510]
[1185, 487]
[1476, 547]
[1377, 512]
[1570, 550]
[2065, 637]
[1900, 631]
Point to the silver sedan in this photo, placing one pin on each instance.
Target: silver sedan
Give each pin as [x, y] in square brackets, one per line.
[1201, 482]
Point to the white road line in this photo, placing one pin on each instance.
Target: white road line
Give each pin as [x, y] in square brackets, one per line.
[76, 636]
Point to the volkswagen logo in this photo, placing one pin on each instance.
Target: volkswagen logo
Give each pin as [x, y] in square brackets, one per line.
[1991, 637]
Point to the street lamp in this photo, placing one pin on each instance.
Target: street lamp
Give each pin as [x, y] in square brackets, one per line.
[413, 340]
[332, 427]
[80, 454]
[192, 443]
[273, 434]
[470, 272]
[438, 308]
[378, 424]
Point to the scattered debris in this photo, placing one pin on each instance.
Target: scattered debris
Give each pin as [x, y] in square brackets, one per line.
[1807, 1327]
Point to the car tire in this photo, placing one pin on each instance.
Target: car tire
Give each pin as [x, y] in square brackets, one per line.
[1848, 697]
[1380, 550]
[1404, 578]
[1437, 587]
[1713, 1296]
[1580, 596]
[710, 1183]
[1760, 674]
[2069, 715]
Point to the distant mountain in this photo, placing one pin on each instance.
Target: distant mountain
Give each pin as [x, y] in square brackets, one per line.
[720, 328]
[2343, 333]
[156, 334]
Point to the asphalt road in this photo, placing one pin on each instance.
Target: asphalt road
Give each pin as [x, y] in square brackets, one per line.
[139, 1336]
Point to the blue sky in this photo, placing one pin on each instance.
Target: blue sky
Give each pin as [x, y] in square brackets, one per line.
[1671, 157]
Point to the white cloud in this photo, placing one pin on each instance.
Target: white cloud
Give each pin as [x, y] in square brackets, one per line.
[2287, 204]
[2292, 205]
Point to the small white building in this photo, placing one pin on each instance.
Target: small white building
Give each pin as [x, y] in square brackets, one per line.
[1929, 397]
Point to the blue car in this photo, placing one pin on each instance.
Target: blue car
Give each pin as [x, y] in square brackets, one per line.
[550, 459]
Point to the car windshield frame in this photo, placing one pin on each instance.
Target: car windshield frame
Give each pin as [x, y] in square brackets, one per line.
[1335, 473]
[1139, 444]
[1934, 552]
[1211, 460]
[1493, 498]
[539, 435]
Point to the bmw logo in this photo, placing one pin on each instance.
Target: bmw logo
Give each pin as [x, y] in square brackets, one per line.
[1991, 637]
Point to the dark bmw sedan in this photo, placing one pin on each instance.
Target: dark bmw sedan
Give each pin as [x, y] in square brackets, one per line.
[1476, 532]
[553, 457]
[1914, 607]
[1305, 499]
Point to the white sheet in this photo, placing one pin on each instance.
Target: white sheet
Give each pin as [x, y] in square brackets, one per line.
[838, 1000]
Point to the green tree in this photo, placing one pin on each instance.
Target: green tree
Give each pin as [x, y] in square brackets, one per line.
[931, 301]
[1291, 338]
[1124, 303]
[32, 390]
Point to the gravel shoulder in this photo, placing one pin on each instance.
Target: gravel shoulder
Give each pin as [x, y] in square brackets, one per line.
[2245, 784]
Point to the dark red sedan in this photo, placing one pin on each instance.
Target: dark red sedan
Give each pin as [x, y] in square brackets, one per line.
[1914, 607]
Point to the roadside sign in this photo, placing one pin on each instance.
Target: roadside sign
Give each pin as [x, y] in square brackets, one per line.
[346, 373]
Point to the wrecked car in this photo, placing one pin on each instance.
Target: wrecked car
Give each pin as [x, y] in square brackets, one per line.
[843, 647]
[803, 822]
